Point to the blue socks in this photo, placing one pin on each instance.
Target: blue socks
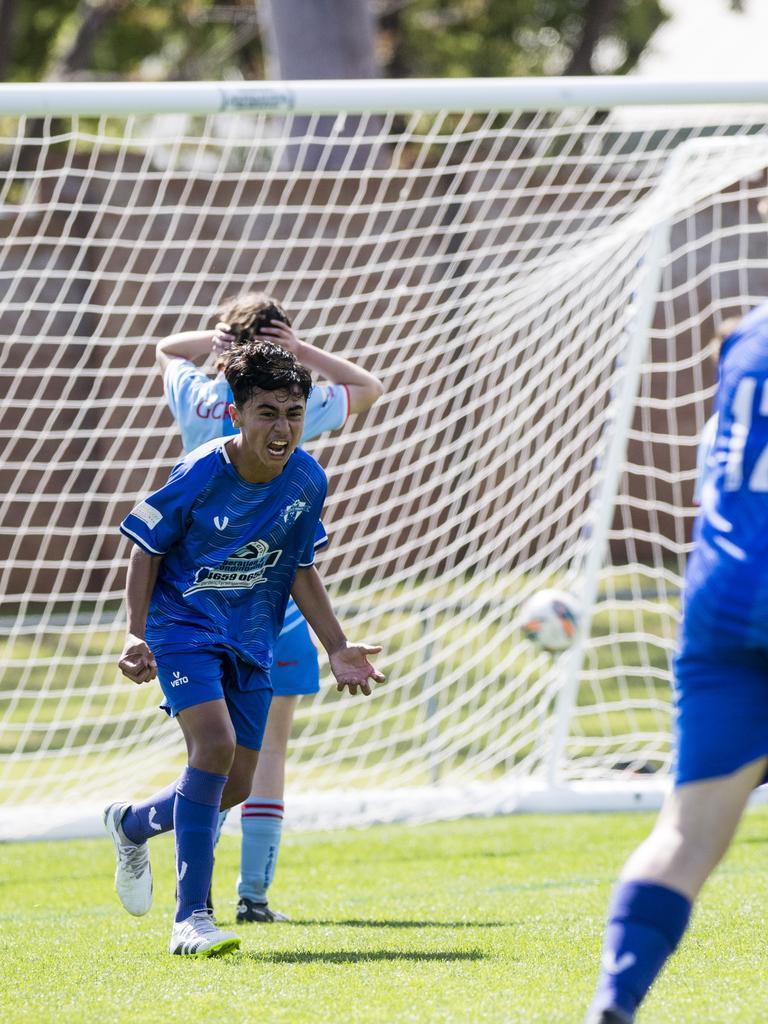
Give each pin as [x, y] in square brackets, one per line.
[262, 824]
[645, 923]
[151, 817]
[195, 820]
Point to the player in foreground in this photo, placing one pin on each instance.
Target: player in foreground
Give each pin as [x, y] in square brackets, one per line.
[706, 447]
[721, 672]
[218, 549]
[199, 405]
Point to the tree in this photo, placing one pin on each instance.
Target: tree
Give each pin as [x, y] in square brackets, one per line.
[136, 39]
[166, 39]
[459, 38]
[319, 39]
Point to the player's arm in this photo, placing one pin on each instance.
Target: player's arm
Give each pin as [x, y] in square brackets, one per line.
[195, 346]
[137, 661]
[362, 387]
[349, 662]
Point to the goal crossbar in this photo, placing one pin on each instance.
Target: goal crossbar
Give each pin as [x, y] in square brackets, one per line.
[358, 96]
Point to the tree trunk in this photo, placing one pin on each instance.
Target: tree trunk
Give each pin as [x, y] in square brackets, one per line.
[307, 39]
[598, 15]
[319, 39]
[93, 18]
[7, 12]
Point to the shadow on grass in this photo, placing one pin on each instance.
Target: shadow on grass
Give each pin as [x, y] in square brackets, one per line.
[364, 923]
[356, 957]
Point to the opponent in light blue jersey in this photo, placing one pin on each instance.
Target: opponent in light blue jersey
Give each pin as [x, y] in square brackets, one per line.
[721, 677]
[198, 404]
[218, 550]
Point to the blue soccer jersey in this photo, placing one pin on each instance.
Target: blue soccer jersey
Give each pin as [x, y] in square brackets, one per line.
[231, 550]
[200, 405]
[727, 572]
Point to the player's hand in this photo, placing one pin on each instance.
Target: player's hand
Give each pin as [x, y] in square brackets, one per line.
[351, 667]
[223, 339]
[281, 334]
[137, 662]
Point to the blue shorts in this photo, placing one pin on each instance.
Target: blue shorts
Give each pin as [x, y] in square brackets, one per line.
[196, 676]
[295, 668]
[721, 709]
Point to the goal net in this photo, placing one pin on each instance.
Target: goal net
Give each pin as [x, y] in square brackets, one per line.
[534, 274]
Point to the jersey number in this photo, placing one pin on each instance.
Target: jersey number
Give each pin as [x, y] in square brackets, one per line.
[742, 421]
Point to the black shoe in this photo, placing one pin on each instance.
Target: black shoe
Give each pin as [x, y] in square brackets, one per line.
[250, 911]
[613, 1016]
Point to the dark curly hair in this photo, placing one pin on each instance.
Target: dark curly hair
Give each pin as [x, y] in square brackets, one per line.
[260, 365]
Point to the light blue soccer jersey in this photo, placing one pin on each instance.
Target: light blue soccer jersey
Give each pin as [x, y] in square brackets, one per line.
[200, 404]
[231, 550]
[727, 572]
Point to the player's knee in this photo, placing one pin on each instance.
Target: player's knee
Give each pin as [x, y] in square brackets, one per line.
[215, 753]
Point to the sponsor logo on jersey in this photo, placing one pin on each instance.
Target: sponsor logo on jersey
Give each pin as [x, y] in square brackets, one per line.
[221, 524]
[243, 570]
[151, 819]
[292, 512]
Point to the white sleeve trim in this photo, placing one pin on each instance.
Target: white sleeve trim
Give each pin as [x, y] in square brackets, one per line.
[139, 540]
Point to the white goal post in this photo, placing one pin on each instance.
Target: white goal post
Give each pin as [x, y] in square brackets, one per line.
[534, 269]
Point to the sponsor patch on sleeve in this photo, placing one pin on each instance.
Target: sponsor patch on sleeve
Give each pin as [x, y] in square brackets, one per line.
[147, 514]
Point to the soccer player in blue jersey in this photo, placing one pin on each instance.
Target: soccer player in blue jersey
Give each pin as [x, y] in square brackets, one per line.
[721, 675]
[706, 446]
[218, 550]
[199, 405]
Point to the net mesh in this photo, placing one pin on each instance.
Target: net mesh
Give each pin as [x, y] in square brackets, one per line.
[486, 267]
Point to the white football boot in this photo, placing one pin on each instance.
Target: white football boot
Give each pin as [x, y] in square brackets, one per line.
[197, 935]
[133, 874]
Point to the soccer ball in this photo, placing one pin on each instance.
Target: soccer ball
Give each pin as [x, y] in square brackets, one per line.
[550, 619]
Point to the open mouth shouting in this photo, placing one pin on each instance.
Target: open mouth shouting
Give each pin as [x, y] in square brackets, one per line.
[278, 449]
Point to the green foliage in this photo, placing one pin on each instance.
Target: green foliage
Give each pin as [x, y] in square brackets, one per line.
[145, 39]
[515, 37]
[493, 921]
[157, 39]
[34, 32]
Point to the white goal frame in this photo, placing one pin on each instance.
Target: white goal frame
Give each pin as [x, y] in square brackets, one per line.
[722, 159]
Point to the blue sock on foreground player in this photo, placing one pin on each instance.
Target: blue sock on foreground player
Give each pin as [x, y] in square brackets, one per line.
[190, 806]
[645, 924]
[151, 817]
[195, 820]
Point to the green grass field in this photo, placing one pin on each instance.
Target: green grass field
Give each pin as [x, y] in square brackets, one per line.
[482, 920]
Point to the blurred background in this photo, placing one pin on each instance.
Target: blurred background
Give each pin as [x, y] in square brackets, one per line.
[483, 261]
[157, 40]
